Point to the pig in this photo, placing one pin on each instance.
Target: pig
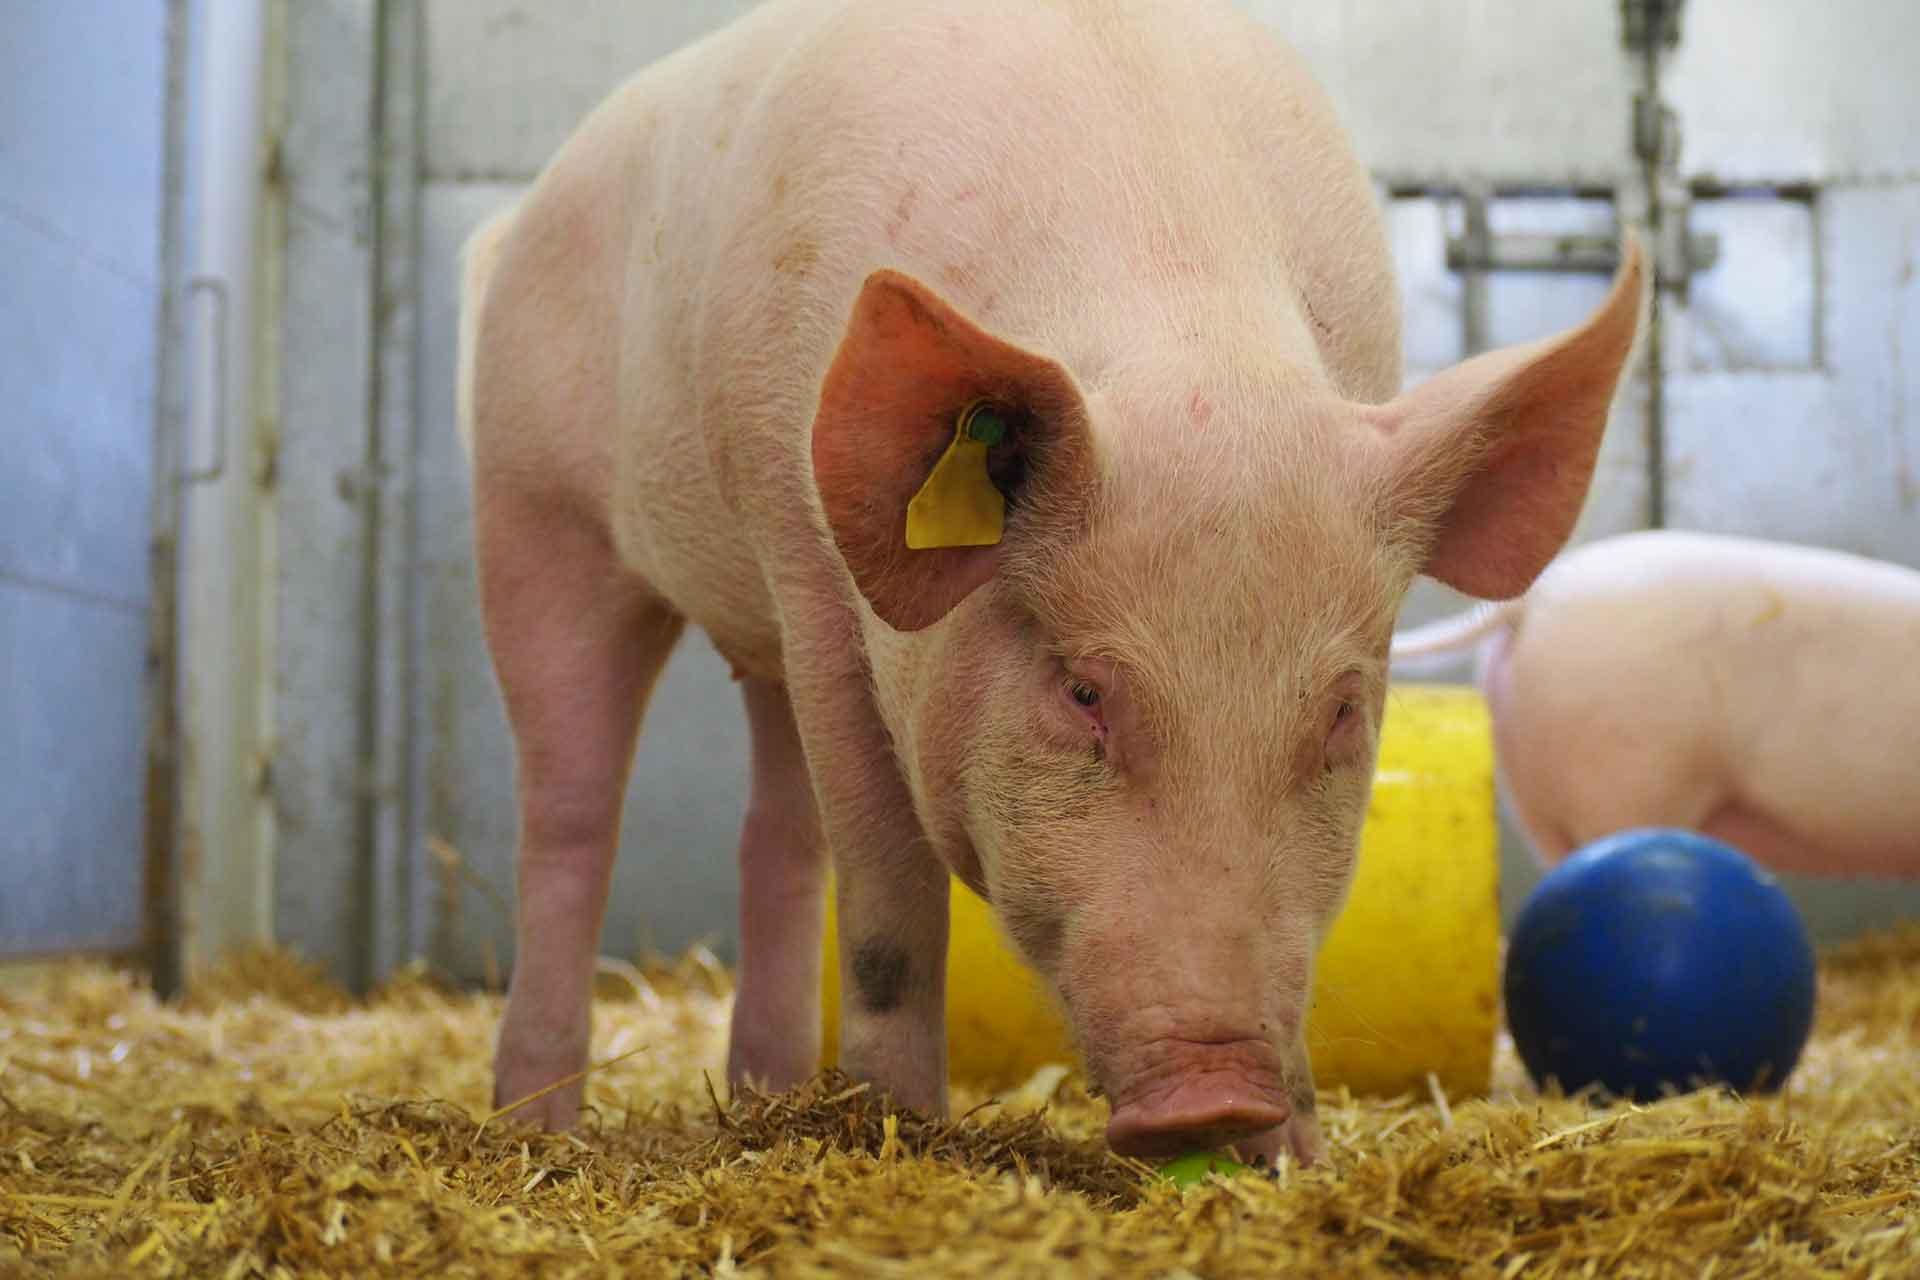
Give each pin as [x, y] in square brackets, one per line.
[1762, 693]
[711, 361]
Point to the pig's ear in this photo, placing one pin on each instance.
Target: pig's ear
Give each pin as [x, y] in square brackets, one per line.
[1494, 456]
[907, 368]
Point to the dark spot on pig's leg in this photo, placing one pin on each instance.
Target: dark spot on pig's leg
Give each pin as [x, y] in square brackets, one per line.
[1301, 1094]
[880, 976]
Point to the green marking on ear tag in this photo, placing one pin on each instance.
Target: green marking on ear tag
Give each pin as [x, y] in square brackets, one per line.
[959, 505]
[982, 422]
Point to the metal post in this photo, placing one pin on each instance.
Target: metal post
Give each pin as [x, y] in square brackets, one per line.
[1649, 141]
[224, 868]
[1478, 245]
[393, 921]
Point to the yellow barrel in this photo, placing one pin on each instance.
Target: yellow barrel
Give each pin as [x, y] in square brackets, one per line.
[1407, 981]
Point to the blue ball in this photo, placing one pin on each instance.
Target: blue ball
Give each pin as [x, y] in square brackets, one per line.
[1656, 958]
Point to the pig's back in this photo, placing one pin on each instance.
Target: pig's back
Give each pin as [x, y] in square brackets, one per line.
[1091, 179]
[1085, 176]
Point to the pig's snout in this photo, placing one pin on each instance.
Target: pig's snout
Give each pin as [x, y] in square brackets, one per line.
[1209, 1095]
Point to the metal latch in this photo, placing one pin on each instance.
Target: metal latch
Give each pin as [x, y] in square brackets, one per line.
[1642, 20]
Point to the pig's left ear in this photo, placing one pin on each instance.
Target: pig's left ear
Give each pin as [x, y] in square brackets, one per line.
[891, 406]
[1495, 455]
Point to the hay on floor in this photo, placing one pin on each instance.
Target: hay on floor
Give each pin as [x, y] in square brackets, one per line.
[270, 1126]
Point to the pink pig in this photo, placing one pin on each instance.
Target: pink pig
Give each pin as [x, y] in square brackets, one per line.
[714, 354]
[1765, 694]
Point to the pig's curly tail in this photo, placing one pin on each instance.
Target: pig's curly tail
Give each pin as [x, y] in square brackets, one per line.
[1448, 636]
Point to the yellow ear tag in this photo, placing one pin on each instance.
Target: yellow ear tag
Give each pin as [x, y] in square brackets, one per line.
[959, 505]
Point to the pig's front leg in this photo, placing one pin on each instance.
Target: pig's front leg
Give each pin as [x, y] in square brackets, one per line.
[890, 888]
[891, 899]
[775, 1038]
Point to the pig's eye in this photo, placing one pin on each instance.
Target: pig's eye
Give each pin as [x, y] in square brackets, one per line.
[1345, 735]
[1083, 693]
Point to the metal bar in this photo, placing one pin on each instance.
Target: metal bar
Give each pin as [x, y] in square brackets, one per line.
[394, 933]
[1478, 247]
[1595, 255]
[223, 843]
[322, 394]
[368, 872]
[1653, 161]
[160, 796]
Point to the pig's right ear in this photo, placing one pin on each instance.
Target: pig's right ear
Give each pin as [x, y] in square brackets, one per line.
[1492, 459]
[908, 366]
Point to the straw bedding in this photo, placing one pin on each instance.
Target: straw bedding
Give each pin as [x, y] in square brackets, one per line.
[270, 1126]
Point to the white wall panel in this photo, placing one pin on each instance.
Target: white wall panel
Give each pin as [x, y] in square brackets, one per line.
[1829, 456]
[508, 80]
[1785, 89]
[1502, 90]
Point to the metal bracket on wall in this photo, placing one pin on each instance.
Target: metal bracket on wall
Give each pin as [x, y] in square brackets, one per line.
[1642, 21]
[215, 287]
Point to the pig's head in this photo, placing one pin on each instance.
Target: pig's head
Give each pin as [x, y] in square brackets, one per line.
[1145, 727]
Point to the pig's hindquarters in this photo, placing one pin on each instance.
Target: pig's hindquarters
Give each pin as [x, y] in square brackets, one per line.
[1702, 709]
[584, 593]
[577, 640]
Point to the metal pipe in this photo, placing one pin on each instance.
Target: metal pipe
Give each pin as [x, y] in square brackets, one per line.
[226, 869]
[1654, 163]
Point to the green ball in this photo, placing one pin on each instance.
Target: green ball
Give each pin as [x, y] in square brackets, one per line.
[1192, 1169]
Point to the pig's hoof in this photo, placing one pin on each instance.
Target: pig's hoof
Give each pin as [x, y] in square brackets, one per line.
[519, 1081]
[554, 1111]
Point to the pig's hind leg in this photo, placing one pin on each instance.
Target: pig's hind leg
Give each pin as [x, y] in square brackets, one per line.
[577, 643]
[776, 1012]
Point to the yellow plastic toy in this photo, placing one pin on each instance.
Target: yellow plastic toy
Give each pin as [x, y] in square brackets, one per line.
[1408, 980]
